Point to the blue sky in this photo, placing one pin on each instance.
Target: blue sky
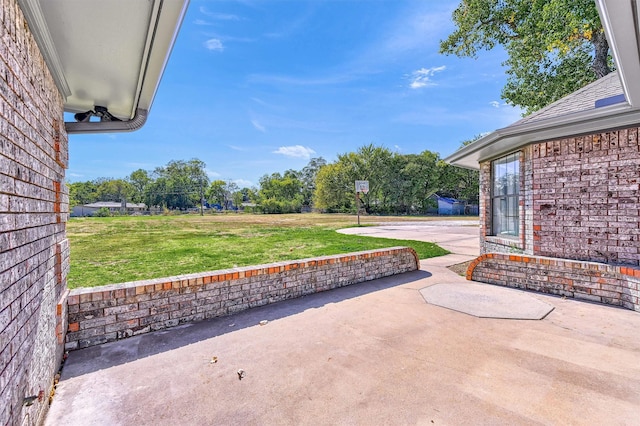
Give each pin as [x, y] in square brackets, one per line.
[259, 86]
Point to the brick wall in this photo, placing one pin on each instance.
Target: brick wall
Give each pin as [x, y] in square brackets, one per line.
[612, 284]
[586, 203]
[34, 254]
[579, 200]
[580, 219]
[103, 314]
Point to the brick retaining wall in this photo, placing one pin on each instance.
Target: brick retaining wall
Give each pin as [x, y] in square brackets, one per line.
[611, 284]
[102, 314]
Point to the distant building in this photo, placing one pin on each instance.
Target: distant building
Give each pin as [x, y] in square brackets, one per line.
[450, 206]
[113, 206]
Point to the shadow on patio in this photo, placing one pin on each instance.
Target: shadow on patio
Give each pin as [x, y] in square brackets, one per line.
[99, 357]
[372, 353]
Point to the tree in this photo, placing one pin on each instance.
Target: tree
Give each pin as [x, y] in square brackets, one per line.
[396, 189]
[81, 193]
[217, 193]
[555, 47]
[221, 192]
[114, 190]
[238, 199]
[308, 179]
[369, 163]
[232, 188]
[334, 191]
[178, 185]
[139, 180]
[281, 193]
[424, 176]
[460, 183]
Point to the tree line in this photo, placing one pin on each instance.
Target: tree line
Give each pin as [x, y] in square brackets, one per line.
[398, 184]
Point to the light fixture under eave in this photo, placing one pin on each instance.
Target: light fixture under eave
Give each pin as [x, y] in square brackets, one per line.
[135, 123]
[121, 71]
[98, 111]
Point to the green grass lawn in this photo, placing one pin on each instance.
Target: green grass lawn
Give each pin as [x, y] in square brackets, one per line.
[119, 249]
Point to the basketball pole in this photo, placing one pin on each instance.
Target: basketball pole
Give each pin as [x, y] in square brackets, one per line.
[358, 205]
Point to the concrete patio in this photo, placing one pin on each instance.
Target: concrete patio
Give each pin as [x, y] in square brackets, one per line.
[371, 353]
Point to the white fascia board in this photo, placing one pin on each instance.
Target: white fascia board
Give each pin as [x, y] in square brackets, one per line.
[619, 20]
[511, 138]
[163, 42]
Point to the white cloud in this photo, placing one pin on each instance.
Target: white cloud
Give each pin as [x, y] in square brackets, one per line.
[219, 16]
[214, 44]
[419, 28]
[237, 148]
[497, 104]
[145, 166]
[258, 126]
[295, 151]
[243, 183]
[211, 173]
[422, 77]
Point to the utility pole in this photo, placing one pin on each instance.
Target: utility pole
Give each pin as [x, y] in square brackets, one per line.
[201, 198]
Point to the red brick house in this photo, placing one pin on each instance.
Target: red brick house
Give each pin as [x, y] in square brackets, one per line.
[103, 61]
[559, 189]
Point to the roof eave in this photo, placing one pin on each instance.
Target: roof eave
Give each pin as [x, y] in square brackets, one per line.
[129, 94]
[512, 138]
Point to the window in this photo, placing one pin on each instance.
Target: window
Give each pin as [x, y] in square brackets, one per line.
[505, 175]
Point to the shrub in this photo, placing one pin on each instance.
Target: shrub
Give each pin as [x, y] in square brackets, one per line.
[102, 212]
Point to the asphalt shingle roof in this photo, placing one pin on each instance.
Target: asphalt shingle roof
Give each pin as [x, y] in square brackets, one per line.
[580, 100]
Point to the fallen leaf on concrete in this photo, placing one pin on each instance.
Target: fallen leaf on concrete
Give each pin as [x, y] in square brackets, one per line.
[213, 360]
[29, 400]
[240, 374]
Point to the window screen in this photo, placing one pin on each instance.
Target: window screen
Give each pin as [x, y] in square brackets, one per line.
[505, 191]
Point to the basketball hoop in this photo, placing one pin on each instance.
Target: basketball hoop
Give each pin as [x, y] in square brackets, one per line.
[362, 186]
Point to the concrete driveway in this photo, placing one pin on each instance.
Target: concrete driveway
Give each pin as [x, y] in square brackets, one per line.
[457, 236]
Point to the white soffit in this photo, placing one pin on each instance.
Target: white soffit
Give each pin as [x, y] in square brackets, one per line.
[108, 53]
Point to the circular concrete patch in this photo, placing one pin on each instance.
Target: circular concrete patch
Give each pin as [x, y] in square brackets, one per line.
[486, 301]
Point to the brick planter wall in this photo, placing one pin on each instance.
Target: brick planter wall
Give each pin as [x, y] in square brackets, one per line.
[102, 314]
[34, 253]
[611, 284]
